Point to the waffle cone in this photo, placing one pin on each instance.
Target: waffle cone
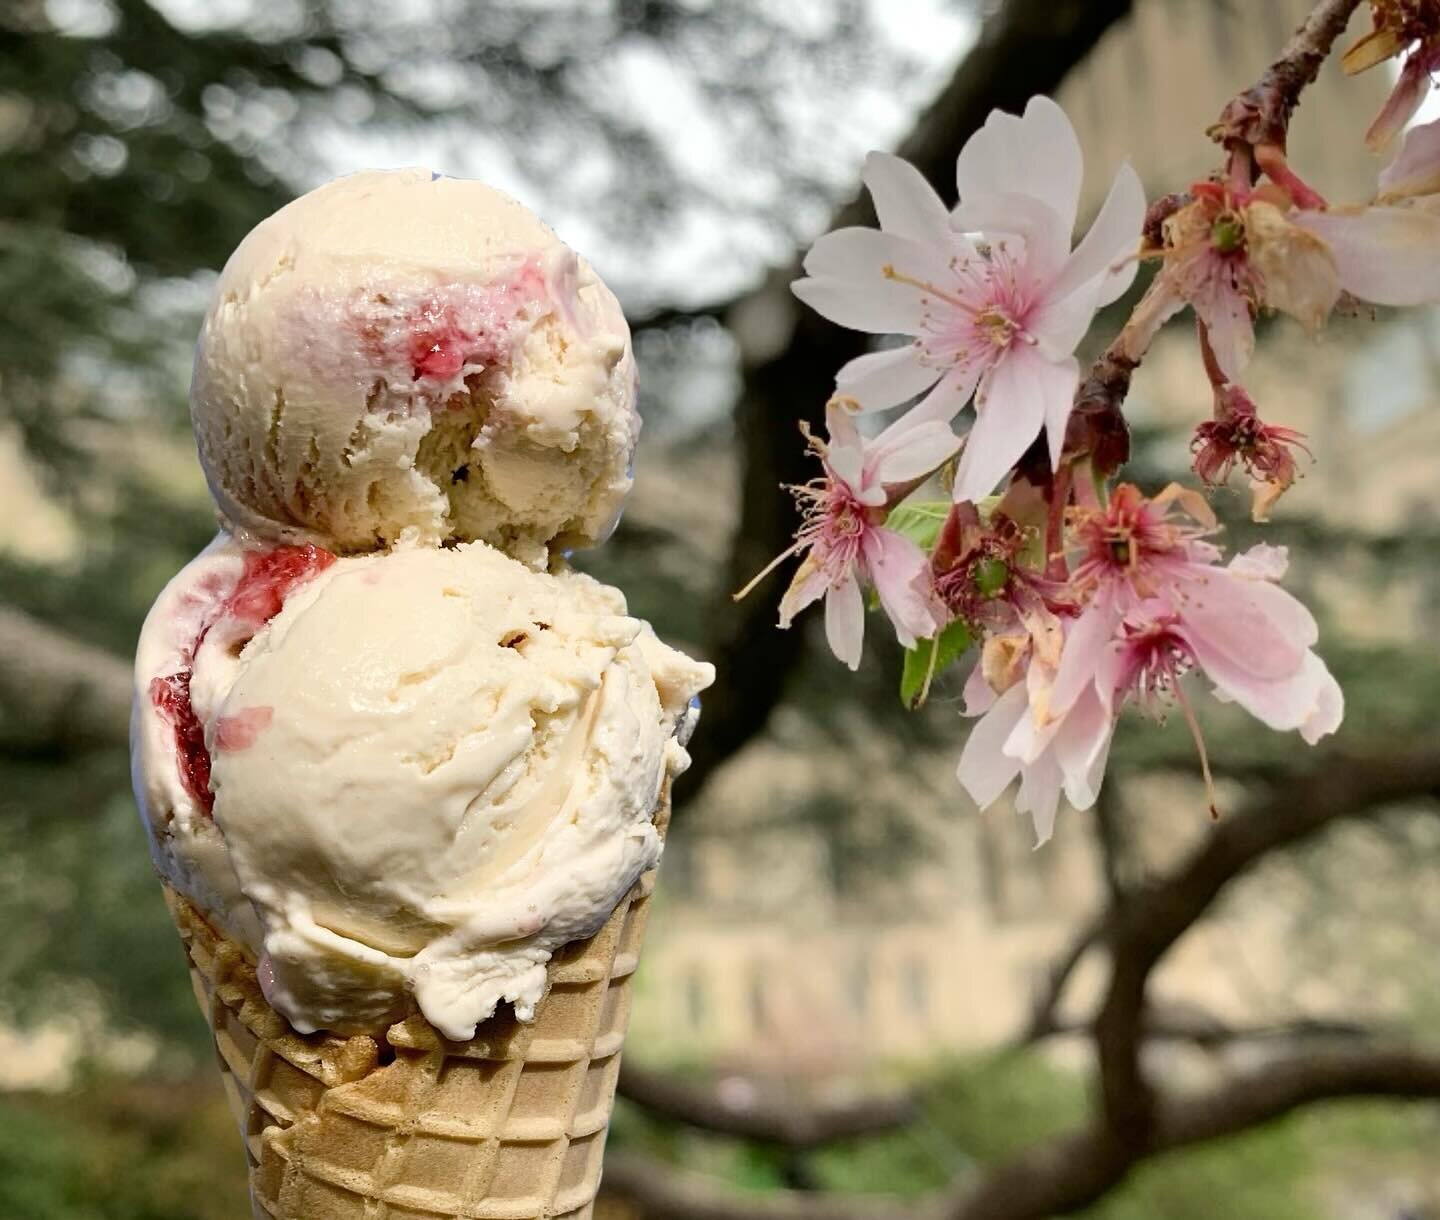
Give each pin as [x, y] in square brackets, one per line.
[408, 1125]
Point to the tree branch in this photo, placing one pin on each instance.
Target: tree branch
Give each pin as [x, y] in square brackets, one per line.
[662, 1192]
[742, 1112]
[1261, 115]
[57, 694]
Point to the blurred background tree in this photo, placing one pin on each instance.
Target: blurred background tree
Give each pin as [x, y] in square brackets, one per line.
[690, 147]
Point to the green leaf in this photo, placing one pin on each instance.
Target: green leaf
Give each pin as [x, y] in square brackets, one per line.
[941, 653]
[919, 522]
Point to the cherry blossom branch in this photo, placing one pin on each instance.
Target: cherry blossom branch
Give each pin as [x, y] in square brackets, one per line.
[1260, 117]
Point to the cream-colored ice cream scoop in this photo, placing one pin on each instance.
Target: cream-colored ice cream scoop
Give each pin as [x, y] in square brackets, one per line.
[425, 769]
[399, 351]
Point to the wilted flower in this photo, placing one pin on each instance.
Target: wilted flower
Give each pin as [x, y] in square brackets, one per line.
[999, 319]
[1227, 257]
[1408, 27]
[1238, 434]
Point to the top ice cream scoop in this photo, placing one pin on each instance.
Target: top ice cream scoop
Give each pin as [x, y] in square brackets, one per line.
[397, 351]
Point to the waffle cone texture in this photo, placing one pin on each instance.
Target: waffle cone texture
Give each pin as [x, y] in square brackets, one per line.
[408, 1125]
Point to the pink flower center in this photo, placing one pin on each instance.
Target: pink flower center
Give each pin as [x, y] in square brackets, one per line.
[1153, 659]
[971, 324]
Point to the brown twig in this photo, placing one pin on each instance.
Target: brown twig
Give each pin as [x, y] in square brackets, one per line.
[1261, 115]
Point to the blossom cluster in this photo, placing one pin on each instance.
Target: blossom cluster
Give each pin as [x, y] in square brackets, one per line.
[1078, 594]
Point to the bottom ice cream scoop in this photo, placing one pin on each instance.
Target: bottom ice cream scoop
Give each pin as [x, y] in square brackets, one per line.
[403, 778]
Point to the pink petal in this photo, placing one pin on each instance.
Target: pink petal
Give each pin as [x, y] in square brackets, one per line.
[845, 449]
[900, 572]
[1009, 419]
[1244, 627]
[906, 204]
[1384, 255]
[1226, 314]
[1108, 251]
[1036, 154]
[1416, 171]
[1080, 660]
[882, 379]
[845, 620]
[985, 772]
[1307, 699]
[1400, 107]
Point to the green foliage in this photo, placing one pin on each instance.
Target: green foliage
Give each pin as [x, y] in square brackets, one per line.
[122, 1153]
[80, 883]
[931, 658]
[919, 521]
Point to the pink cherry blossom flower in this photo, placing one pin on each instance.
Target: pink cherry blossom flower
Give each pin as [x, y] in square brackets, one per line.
[844, 540]
[997, 317]
[1160, 606]
[1067, 755]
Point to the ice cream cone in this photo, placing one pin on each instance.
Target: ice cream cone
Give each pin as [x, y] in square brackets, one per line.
[408, 1125]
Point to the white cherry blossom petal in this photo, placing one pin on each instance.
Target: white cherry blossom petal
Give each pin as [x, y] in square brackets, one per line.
[1010, 417]
[906, 204]
[878, 380]
[845, 620]
[889, 310]
[1039, 796]
[979, 695]
[1036, 154]
[1385, 255]
[1002, 218]
[809, 584]
[1059, 380]
[985, 771]
[1107, 252]
[946, 400]
[908, 450]
[1060, 323]
[1082, 748]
